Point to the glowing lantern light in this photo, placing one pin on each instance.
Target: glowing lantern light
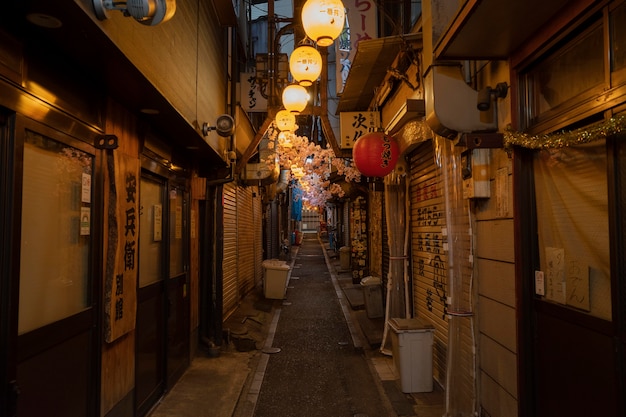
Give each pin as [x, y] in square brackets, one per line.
[295, 98]
[285, 120]
[284, 139]
[305, 65]
[375, 154]
[323, 20]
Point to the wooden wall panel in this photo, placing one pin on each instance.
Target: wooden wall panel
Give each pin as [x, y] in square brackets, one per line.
[496, 322]
[185, 63]
[118, 358]
[497, 281]
[495, 399]
[499, 363]
[494, 240]
[198, 192]
[495, 271]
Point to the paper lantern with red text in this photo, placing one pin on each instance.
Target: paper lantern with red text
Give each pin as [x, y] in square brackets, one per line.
[375, 154]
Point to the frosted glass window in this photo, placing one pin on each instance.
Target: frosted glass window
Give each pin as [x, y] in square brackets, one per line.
[618, 38]
[576, 68]
[55, 234]
[150, 231]
[573, 227]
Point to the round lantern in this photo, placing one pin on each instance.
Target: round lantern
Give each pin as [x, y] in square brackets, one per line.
[375, 154]
[305, 65]
[285, 120]
[284, 139]
[323, 20]
[295, 98]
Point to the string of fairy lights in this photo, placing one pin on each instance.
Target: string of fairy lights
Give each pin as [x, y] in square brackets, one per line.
[603, 130]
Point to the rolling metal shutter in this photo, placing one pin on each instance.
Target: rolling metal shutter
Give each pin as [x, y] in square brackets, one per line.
[429, 262]
[229, 262]
[246, 242]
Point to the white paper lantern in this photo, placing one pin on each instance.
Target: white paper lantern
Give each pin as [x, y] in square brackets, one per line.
[323, 20]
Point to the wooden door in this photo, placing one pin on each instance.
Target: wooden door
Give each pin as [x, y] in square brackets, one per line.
[177, 285]
[151, 296]
[576, 367]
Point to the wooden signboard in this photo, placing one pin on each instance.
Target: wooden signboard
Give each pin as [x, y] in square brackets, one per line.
[120, 283]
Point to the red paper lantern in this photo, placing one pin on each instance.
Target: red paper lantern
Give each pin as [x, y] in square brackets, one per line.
[375, 154]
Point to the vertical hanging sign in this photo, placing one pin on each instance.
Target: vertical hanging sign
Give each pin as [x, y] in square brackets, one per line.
[252, 93]
[361, 25]
[120, 302]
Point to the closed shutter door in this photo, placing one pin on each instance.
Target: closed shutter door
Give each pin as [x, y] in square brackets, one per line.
[428, 259]
[245, 240]
[229, 263]
[257, 206]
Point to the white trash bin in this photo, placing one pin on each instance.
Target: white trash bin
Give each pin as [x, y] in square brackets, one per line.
[412, 344]
[275, 273]
[373, 297]
[345, 258]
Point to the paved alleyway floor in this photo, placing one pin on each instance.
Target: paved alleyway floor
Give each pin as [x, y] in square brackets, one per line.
[313, 353]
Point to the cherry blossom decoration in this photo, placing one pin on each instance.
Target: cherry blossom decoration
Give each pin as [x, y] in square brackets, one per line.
[313, 166]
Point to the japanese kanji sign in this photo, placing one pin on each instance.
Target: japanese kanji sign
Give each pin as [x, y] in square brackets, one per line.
[353, 125]
[120, 302]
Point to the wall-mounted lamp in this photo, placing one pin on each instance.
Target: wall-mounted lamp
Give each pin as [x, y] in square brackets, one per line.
[323, 20]
[224, 126]
[487, 94]
[147, 12]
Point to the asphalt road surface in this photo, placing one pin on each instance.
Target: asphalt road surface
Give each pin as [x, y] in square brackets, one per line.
[318, 371]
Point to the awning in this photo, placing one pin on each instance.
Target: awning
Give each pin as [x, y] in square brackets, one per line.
[494, 29]
[371, 62]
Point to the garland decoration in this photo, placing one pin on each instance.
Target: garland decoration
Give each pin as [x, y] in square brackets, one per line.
[613, 126]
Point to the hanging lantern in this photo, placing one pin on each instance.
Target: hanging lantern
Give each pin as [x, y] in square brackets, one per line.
[295, 98]
[284, 139]
[285, 120]
[375, 154]
[323, 20]
[305, 65]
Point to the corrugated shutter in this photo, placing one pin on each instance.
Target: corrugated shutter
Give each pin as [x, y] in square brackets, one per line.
[245, 240]
[429, 261]
[257, 210]
[229, 262]
[429, 253]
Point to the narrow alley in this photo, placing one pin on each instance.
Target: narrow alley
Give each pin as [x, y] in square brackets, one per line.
[314, 353]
